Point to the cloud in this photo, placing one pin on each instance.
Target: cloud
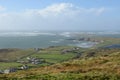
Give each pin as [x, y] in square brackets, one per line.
[64, 9]
[100, 11]
[56, 16]
[55, 9]
[2, 8]
[52, 10]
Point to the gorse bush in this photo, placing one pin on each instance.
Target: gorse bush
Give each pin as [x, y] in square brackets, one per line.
[67, 76]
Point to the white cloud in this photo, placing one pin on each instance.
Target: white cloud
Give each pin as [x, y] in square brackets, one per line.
[100, 11]
[55, 9]
[64, 8]
[2, 8]
[56, 16]
[52, 10]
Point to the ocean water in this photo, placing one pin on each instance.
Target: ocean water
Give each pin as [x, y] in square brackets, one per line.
[38, 40]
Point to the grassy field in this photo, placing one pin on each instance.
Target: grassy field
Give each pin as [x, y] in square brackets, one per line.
[51, 55]
[7, 65]
[100, 67]
[54, 55]
[10, 55]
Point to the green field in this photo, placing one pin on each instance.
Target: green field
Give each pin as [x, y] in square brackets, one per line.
[50, 55]
[7, 65]
[10, 55]
[53, 55]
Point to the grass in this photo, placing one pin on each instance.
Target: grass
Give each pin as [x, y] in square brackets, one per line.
[15, 54]
[50, 55]
[7, 65]
[100, 67]
[54, 57]
[53, 54]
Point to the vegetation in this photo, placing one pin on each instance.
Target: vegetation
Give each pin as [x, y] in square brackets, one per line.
[16, 57]
[10, 55]
[65, 63]
[106, 41]
[54, 55]
[99, 66]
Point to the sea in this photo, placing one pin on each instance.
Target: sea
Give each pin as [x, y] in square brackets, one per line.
[38, 39]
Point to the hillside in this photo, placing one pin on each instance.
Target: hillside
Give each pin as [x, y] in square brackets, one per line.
[99, 62]
[98, 66]
[16, 58]
[9, 55]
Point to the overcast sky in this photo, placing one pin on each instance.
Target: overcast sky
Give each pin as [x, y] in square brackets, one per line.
[59, 14]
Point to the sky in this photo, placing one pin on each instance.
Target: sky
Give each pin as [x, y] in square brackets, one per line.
[69, 15]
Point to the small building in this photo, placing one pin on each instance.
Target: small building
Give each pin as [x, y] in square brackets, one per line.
[37, 49]
[34, 60]
[24, 67]
[9, 70]
[1, 71]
